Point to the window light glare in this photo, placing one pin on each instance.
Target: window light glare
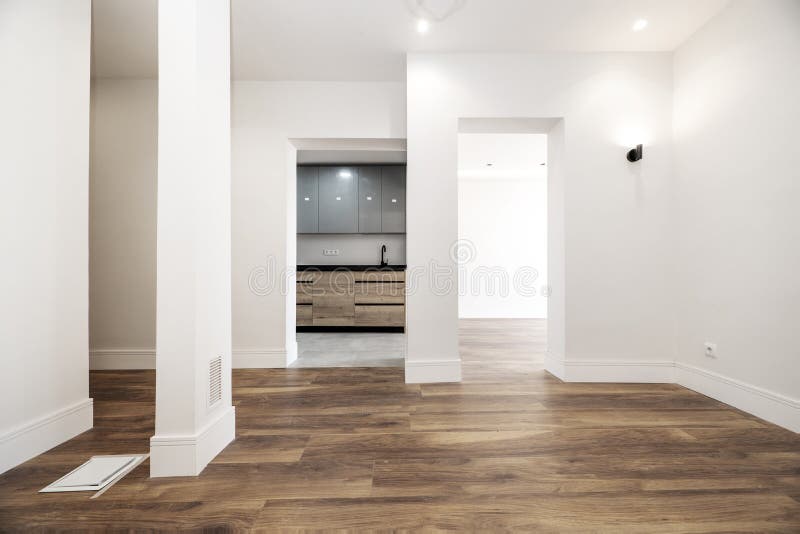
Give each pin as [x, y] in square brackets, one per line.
[423, 26]
[639, 25]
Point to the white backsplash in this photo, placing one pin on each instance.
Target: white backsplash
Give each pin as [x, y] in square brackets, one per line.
[354, 249]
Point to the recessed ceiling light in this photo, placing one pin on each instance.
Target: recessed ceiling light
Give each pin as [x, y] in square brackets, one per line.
[639, 25]
[423, 26]
[489, 164]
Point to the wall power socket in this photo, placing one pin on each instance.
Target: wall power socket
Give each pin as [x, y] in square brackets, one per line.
[710, 349]
[330, 252]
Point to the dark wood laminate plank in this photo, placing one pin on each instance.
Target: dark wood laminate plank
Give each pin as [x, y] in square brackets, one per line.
[324, 478]
[260, 449]
[255, 424]
[611, 442]
[738, 512]
[540, 419]
[581, 474]
[88, 516]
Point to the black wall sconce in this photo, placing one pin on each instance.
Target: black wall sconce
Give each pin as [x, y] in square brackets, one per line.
[635, 154]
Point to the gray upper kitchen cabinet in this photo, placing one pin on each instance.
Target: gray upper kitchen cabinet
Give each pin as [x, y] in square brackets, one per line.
[393, 199]
[338, 200]
[369, 200]
[307, 200]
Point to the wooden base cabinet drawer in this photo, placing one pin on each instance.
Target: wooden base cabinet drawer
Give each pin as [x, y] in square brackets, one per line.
[334, 308]
[380, 315]
[304, 293]
[304, 317]
[380, 293]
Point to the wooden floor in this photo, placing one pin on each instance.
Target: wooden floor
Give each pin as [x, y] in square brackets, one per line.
[510, 448]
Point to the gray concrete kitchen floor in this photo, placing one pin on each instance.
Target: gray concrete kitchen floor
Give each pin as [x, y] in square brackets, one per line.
[350, 349]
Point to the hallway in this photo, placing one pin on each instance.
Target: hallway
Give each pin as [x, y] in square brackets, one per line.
[510, 447]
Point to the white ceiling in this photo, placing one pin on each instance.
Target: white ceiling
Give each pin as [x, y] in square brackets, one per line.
[512, 156]
[368, 39]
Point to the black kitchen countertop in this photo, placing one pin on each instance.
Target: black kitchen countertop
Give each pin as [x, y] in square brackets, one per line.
[352, 267]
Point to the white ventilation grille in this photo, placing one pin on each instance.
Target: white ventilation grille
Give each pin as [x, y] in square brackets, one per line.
[215, 381]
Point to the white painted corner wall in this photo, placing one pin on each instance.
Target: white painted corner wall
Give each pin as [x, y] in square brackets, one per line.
[737, 174]
[737, 177]
[736, 191]
[609, 215]
[44, 207]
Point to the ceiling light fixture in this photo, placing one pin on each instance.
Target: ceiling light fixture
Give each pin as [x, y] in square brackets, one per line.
[639, 25]
[423, 26]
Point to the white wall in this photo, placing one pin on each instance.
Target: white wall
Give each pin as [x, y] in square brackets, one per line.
[502, 218]
[738, 191]
[616, 225]
[266, 115]
[44, 206]
[122, 223]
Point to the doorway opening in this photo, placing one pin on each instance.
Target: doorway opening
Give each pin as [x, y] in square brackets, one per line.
[503, 254]
[350, 253]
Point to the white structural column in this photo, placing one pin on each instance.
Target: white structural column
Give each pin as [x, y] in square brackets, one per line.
[194, 416]
[432, 229]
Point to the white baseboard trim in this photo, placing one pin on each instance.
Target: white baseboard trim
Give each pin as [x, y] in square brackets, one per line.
[768, 405]
[262, 358]
[773, 407]
[118, 359]
[429, 371]
[622, 371]
[188, 455]
[291, 353]
[35, 437]
[554, 365]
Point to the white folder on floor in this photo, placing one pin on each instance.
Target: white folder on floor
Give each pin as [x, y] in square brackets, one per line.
[97, 473]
